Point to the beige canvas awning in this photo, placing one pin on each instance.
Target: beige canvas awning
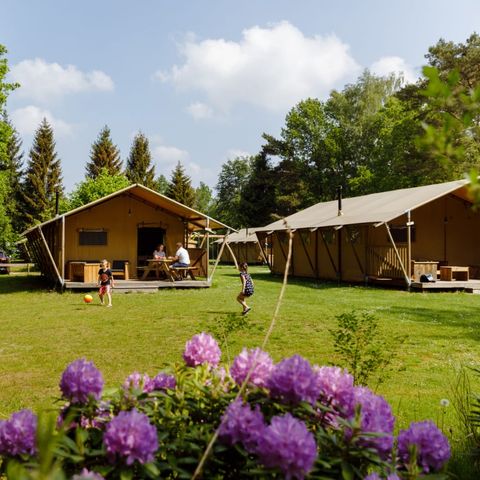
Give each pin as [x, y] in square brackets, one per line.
[376, 208]
[194, 219]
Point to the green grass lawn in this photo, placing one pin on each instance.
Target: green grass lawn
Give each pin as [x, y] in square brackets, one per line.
[43, 331]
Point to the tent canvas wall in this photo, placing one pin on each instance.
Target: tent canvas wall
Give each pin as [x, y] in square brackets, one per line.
[369, 238]
[126, 225]
[244, 245]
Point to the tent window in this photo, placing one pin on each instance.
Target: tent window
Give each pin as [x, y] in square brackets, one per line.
[305, 237]
[354, 235]
[400, 233]
[329, 236]
[92, 237]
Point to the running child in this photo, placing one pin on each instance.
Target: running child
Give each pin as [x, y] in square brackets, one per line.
[247, 287]
[105, 281]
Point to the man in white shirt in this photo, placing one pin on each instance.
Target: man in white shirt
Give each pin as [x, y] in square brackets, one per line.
[181, 258]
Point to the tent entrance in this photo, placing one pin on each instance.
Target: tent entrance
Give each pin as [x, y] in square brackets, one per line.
[147, 240]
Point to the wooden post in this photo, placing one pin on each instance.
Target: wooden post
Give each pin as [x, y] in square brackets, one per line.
[233, 255]
[208, 244]
[407, 278]
[62, 251]
[409, 244]
[60, 279]
[219, 255]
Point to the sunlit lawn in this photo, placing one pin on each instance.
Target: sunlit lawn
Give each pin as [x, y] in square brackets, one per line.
[42, 331]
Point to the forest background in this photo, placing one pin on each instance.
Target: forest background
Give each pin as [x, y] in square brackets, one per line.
[377, 134]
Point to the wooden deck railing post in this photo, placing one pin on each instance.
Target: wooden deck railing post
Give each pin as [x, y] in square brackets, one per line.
[407, 278]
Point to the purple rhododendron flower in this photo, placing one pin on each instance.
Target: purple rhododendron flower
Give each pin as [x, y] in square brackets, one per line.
[18, 434]
[80, 381]
[433, 449]
[376, 417]
[376, 476]
[130, 435]
[336, 388]
[242, 424]
[256, 360]
[202, 348]
[137, 381]
[293, 380]
[288, 445]
[86, 475]
[163, 381]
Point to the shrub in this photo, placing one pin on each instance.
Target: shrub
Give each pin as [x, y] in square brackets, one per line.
[293, 421]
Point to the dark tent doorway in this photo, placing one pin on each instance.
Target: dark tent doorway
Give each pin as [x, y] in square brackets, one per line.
[147, 240]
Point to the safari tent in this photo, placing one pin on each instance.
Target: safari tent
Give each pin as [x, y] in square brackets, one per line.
[242, 246]
[124, 227]
[395, 236]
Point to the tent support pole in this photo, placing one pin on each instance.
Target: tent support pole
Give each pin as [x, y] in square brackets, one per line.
[407, 278]
[60, 279]
[264, 255]
[233, 255]
[225, 238]
[409, 244]
[63, 247]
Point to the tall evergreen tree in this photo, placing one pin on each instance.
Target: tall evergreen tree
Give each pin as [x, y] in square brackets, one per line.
[161, 184]
[13, 169]
[257, 199]
[180, 187]
[43, 178]
[104, 155]
[139, 167]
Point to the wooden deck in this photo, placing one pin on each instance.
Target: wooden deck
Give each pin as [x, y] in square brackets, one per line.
[151, 286]
[469, 286]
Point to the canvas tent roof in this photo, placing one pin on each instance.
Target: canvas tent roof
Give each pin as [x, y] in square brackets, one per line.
[244, 235]
[369, 209]
[195, 219]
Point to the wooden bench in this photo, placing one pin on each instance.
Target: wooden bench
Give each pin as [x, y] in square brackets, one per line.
[120, 268]
[184, 272]
[450, 273]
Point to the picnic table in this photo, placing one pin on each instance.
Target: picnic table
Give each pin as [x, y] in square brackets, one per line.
[158, 266]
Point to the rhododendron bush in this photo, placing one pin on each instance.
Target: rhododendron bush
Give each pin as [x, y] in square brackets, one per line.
[289, 420]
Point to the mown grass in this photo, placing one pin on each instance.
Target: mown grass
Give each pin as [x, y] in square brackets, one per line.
[42, 331]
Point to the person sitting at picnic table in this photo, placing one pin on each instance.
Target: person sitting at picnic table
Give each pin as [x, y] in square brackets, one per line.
[159, 253]
[181, 258]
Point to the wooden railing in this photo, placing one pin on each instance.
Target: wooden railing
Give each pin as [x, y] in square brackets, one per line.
[383, 262]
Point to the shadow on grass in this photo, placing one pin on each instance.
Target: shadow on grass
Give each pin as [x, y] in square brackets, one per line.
[465, 319]
[22, 283]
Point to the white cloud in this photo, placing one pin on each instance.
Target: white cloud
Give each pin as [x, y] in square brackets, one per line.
[235, 152]
[271, 67]
[169, 155]
[42, 81]
[27, 119]
[387, 65]
[199, 110]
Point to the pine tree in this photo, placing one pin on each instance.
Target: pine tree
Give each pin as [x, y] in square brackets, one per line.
[104, 155]
[13, 168]
[180, 187]
[43, 178]
[139, 167]
[161, 184]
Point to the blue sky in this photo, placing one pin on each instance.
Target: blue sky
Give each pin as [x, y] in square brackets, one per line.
[202, 79]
